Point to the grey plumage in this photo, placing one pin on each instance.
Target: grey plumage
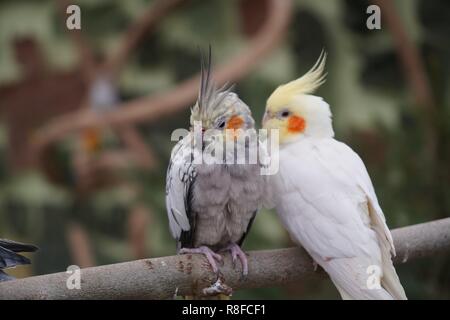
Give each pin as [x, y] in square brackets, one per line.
[9, 257]
[212, 204]
[224, 200]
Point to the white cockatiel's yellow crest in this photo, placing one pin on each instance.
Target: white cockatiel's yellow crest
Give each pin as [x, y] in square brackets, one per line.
[293, 109]
[306, 84]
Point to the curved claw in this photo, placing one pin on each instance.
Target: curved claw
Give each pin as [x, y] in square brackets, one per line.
[210, 255]
[236, 252]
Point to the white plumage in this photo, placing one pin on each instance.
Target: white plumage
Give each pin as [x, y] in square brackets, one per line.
[327, 203]
[324, 195]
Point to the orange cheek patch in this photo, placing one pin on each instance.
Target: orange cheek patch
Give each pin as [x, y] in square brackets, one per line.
[235, 123]
[296, 124]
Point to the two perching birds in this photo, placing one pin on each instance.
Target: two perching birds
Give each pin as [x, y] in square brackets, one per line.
[322, 192]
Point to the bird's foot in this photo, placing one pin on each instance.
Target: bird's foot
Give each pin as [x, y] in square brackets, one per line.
[210, 255]
[236, 252]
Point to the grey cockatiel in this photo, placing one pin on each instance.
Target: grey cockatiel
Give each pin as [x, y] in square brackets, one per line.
[211, 207]
[9, 258]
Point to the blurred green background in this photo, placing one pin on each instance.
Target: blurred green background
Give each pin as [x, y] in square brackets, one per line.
[124, 219]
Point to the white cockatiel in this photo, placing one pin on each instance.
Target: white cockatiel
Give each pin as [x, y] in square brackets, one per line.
[324, 195]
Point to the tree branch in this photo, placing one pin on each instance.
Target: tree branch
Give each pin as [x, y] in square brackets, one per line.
[148, 21]
[413, 69]
[153, 107]
[409, 56]
[161, 278]
[80, 245]
[85, 53]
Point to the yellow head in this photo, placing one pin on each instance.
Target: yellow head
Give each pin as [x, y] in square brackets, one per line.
[295, 112]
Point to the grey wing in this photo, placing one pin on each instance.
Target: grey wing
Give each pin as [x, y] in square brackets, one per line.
[8, 256]
[180, 177]
[10, 259]
[17, 246]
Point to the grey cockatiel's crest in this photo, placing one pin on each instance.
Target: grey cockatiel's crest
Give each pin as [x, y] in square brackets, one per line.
[214, 102]
[213, 205]
[209, 96]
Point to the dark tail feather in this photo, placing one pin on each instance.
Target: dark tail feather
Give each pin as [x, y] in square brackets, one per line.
[9, 259]
[17, 246]
[8, 256]
[5, 277]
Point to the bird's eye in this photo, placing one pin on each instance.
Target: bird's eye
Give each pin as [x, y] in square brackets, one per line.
[221, 125]
[285, 114]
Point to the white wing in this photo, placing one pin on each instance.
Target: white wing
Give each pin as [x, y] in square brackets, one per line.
[329, 206]
[180, 175]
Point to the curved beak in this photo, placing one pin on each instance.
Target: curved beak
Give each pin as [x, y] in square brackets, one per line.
[270, 121]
